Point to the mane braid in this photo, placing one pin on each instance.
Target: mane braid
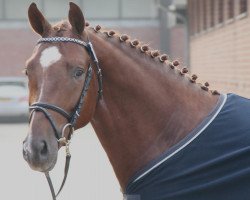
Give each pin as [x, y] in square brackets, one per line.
[154, 54]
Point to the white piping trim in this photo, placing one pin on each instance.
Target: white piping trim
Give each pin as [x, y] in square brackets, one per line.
[187, 143]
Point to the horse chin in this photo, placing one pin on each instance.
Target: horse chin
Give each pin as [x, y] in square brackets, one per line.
[43, 167]
[42, 164]
[40, 154]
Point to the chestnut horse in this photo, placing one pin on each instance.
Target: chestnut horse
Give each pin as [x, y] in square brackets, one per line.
[148, 105]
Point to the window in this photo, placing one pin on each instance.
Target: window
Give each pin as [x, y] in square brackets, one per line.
[16, 9]
[2, 10]
[137, 9]
[230, 9]
[198, 24]
[211, 13]
[56, 9]
[191, 15]
[101, 9]
[243, 6]
[204, 15]
[92, 9]
[221, 11]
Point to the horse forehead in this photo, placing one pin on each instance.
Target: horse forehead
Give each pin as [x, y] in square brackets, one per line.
[49, 56]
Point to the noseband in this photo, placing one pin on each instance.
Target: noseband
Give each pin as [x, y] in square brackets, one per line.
[43, 107]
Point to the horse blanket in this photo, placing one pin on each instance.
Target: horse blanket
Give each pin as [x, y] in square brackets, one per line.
[211, 163]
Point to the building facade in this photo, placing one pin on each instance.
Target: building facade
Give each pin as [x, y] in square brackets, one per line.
[137, 18]
[220, 43]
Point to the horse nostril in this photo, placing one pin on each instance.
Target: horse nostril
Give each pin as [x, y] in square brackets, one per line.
[25, 153]
[44, 149]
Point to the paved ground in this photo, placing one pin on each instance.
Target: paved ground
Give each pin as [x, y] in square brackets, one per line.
[90, 178]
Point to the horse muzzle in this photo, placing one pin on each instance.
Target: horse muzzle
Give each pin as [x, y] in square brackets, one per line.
[40, 155]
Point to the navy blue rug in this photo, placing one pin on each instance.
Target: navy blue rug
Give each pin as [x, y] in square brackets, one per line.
[211, 163]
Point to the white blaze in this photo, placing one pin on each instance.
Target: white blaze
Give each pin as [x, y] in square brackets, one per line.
[50, 56]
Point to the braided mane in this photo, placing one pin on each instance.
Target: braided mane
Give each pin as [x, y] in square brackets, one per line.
[144, 48]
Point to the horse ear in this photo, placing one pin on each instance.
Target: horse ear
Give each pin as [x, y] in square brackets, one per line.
[76, 18]
[37, 20]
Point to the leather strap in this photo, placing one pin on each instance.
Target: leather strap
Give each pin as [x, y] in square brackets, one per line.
[50, 185]
[89, 47]
[42, 107]
[47, 115]
[92, 54]
[80, 103]
[66, 169]
[54, 108]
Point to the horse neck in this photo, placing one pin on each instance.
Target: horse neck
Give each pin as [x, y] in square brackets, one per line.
[147, 107]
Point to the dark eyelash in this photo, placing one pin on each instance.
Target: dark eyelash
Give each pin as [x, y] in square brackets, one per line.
[25, 71]
[81, 72]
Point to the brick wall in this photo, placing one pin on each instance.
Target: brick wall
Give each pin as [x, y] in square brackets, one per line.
[17, 45]
[221, 54]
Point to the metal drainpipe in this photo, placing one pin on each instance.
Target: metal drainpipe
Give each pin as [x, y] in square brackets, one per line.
[164, 26]
[4, 17]
[186, 35]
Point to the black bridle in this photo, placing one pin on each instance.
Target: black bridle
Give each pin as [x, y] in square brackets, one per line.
[71, 117]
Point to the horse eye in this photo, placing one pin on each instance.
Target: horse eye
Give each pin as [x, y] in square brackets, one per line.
[78, 73]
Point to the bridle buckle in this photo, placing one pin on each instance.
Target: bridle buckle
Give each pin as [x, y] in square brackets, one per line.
[71, 131]
[67, 149]
[65, 140]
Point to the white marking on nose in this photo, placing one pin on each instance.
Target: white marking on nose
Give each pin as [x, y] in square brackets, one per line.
[50, 56]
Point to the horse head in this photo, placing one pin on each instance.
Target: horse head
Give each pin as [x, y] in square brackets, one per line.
[149, 105]
[58, 73]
